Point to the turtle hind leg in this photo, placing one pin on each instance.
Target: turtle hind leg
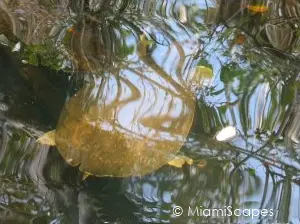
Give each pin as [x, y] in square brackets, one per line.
[179, 161]
[86, 175]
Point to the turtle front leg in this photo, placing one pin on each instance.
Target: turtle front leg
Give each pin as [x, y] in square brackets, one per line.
[179, 161]
[47, 139]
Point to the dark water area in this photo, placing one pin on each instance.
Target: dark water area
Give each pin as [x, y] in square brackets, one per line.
[129, 62]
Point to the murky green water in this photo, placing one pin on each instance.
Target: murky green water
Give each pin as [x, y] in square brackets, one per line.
[140, 55]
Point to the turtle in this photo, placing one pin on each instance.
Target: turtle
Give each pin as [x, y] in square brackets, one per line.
[120, 127]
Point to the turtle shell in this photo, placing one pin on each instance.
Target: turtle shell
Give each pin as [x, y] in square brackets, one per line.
[123, 126]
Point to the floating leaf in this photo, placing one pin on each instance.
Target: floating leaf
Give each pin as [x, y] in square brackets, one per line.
[144, 40]
[3, 107]
[257, 8]
[231, 71]
[3, 40]
[144, 44]
[75, 31]
[202, 76]
[17, 47]
[252, 171]
[240, 39]
[205, 72]
[183, 14]
[226, 134]
[202, 163]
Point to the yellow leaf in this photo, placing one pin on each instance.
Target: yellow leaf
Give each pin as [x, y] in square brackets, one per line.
[144, 40]
[202, 76]
[205, 72]
[144, 44]
[257, 8]
[202, 163]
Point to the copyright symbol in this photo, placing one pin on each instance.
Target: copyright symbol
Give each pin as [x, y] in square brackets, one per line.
[177, 211]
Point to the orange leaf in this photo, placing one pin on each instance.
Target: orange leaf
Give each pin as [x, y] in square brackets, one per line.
[240, 39]
[257, 8]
